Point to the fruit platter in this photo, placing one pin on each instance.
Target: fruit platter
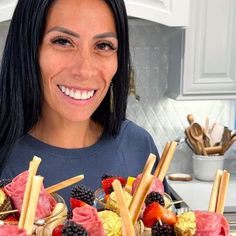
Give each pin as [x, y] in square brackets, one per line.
[133, 206]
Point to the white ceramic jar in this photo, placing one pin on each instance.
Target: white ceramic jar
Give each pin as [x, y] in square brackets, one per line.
[205, 167]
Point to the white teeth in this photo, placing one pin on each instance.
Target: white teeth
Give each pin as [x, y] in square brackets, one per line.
[91, 93]
[67, 92]
[71, 94]
[84, 95]
[63, 89]
[77, 94]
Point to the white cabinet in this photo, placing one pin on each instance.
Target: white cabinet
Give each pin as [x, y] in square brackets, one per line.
[208, 58]
[6, 9]
[167, 12]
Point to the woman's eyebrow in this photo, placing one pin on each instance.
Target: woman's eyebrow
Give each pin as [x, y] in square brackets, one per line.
[106, 35]
[63, 30]
[67, 31]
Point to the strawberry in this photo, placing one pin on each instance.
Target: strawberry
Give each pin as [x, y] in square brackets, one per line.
[57, 231]
[107, 183]
[152, 213]
[76, 203]
[155, 212]
[169, 217]
[11, 218]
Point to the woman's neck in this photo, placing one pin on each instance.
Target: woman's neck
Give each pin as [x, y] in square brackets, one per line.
[67, 134]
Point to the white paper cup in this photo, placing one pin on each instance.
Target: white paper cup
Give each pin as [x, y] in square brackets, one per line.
[205, 167]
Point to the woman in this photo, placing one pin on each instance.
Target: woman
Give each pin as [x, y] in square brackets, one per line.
[63, 93]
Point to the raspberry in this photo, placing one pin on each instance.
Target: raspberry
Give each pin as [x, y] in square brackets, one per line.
[71, 228]
[107, 183]
[162, 229]
[84, 194]
[154, 197]
[105, 176]
[57, 231]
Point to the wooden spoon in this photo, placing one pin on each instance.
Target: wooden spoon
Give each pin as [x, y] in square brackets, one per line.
[190, 119]
[230, 143]
[226, 137]
[197, 133]
[194, 144]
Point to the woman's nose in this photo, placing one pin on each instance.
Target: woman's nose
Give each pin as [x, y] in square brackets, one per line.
[83, 65]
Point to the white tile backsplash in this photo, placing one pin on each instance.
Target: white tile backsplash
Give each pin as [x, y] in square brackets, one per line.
[163, 117]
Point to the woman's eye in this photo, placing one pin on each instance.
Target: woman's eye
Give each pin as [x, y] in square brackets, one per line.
[106, 46]
[61, 41]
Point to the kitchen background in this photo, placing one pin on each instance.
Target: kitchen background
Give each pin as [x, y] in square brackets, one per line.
[149, 104]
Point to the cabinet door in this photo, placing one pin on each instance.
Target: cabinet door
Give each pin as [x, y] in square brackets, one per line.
[167, 12]
[210, 50]
[6, 9]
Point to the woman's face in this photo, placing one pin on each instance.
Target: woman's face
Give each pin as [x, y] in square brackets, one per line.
[78, 58]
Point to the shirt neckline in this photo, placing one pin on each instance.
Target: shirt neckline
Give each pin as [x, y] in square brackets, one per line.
[72, 152]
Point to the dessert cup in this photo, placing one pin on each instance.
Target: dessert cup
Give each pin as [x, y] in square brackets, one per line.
[44, 227]
[99, 202]
[168, 202]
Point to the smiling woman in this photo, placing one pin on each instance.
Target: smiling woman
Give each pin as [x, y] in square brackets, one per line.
[63, 93]
[77, 66]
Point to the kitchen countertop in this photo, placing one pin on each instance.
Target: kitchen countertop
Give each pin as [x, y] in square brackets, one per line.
[196, 194]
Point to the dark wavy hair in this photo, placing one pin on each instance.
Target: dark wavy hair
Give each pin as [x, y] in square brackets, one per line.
[20, 76]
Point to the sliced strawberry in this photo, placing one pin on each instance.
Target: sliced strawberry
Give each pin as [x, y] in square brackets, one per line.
[76, 203]
[169, 217]
[57, 231]
[152, 213]
[155, 212]
[107, 183]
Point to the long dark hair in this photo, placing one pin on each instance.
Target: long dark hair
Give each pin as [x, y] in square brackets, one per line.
[20, 77]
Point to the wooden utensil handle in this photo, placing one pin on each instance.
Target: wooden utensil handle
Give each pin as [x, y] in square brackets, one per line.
[203, 149]
[214, 150]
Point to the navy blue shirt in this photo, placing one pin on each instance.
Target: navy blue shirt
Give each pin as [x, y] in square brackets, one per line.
[124, 155]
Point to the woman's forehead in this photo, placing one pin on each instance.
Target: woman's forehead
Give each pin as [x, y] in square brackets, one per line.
[93, 13]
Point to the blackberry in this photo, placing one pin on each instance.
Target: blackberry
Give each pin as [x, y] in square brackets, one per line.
[154, 197]
[162, 230]
[4, 182]
[71, 228]
[106, 176]
[84, 194]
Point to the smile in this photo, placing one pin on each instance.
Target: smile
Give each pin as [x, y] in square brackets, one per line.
[76, 94]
